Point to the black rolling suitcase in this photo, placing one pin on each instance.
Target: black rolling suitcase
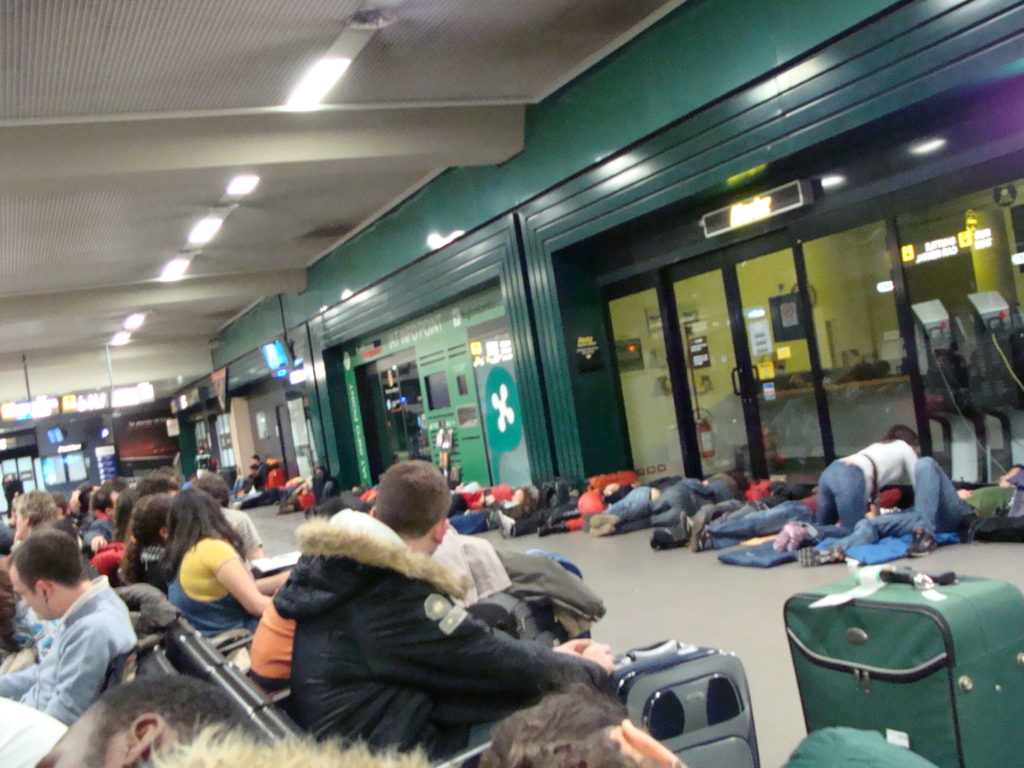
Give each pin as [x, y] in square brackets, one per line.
[694, 700]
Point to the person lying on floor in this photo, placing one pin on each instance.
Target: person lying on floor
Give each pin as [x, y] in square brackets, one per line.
[662, 503]
[1006, 497]
[938, 508]
[504, 507]
[730, 522]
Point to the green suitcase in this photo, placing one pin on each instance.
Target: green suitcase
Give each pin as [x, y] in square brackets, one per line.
[945, 678]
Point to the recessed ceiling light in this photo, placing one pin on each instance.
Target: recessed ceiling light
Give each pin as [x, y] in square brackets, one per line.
[927, 146]
[204, 230]
[347, 293]
[243, 185]
[832, 181]
[317, 83]
[175, 269]
[134, 321]
[120, 339]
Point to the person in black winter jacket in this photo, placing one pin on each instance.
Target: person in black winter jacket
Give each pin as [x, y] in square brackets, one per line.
[381, 651]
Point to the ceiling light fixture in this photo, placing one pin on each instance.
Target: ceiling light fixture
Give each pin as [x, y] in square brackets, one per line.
[175, 269]
[204, 230]
[927, 146]
[832, 181]
[120, 339]
[317, 83]
[345, 294]
[436, 240]
[240, 186]
[134, 321]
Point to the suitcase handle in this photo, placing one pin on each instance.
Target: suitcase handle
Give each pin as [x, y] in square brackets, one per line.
[893, 574]
[663, 648]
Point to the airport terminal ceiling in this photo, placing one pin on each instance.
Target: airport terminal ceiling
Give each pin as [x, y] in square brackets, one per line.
[123, 124]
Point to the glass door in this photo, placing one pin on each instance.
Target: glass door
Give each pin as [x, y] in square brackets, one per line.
[777, 335]
[743, 372]
[645, 386]
[722, 408]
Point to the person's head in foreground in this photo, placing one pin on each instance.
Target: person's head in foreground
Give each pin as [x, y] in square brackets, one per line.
[413, 501]
[572, 728]
[133, 723]
[214, 749]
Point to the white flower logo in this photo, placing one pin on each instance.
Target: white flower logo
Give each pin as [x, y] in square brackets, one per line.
[506, 416]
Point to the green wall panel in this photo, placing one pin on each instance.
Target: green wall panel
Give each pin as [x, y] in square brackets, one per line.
[187, 446]
[697, 54]
[259, 324]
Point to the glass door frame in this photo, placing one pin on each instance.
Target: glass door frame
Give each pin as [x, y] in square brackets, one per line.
[726, 259]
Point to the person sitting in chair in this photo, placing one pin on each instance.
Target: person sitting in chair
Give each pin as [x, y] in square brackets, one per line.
[48, 572]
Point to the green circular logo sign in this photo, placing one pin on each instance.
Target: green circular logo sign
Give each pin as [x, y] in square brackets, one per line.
[504, 415]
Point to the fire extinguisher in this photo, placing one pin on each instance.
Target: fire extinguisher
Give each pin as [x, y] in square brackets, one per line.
[705, 435]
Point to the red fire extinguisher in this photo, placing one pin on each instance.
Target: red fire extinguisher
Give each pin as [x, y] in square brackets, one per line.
[705, 435]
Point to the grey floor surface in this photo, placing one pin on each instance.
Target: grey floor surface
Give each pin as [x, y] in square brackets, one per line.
[692, 597]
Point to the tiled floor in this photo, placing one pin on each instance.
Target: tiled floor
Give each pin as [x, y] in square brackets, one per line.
[676, 594]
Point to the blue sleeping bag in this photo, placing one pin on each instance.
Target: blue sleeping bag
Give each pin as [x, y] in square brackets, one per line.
[758, 556]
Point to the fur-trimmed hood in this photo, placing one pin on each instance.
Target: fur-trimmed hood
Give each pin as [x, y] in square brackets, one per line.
[213, 749]
[341, 558]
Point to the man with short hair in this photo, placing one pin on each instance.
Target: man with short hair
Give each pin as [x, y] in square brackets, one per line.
[383, 654]
[574, 727]
[132, 723]
[100, 530]
[47, 571]
[33, 511]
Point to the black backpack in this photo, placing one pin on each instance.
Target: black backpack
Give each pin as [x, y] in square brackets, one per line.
[554, 493]
[999, 528]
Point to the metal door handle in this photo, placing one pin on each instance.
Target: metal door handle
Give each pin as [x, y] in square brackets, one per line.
[736, 381]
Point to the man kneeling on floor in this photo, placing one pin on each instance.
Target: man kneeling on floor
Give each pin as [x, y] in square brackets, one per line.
[381, 651]
[47, 571]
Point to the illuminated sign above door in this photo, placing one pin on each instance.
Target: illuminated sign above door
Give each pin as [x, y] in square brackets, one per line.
[788, 197]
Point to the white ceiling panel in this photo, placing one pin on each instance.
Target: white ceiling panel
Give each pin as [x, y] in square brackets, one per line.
[122, 121]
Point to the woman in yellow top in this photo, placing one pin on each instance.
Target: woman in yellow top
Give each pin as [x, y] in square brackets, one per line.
[211, 584]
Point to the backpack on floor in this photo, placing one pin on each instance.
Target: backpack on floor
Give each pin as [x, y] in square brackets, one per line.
[999, 528]
[554, 493]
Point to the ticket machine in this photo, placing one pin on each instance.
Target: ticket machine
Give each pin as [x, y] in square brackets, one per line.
[993, 388]
[946, 382]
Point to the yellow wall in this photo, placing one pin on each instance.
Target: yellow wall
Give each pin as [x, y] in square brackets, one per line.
[647, 392]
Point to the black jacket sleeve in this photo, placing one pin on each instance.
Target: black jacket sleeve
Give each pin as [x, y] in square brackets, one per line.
[456, 653]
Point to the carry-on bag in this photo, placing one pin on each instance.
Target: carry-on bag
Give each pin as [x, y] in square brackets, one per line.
[694, 700]
[937, 669]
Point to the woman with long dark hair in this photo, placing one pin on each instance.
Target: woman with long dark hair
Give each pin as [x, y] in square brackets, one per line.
[209, 582]
[146, 542]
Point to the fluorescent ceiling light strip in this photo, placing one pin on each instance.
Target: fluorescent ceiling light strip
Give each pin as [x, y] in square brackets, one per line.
[175, 269]
[317, 83]
[205, 230]
[928, 146]
[134, 321]
[243, 185]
